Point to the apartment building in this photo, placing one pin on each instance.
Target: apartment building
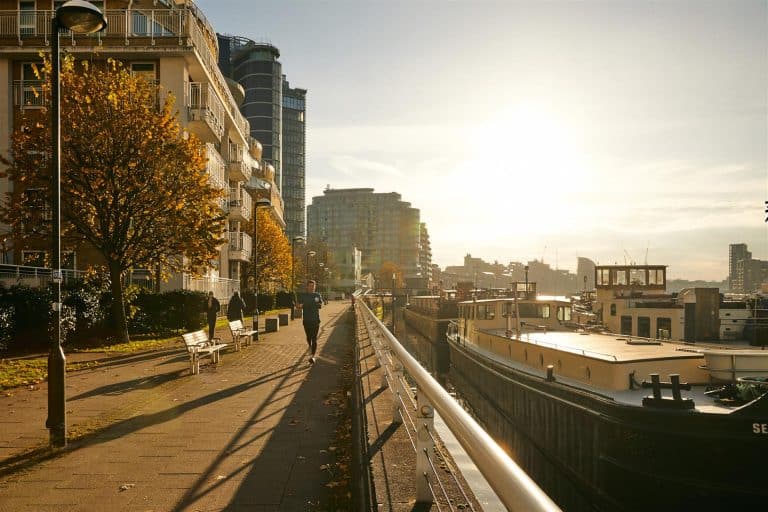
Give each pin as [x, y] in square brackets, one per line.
[380, 225]
[170, 43]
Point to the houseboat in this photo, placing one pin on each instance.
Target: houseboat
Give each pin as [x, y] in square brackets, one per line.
[615, 421]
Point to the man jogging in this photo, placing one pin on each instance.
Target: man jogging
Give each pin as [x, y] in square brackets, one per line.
[310, 304]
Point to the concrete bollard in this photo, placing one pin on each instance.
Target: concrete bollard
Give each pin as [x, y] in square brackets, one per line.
[283, 318]
[271, 325]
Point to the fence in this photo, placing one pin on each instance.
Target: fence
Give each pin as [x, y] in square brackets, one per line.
[514, 488]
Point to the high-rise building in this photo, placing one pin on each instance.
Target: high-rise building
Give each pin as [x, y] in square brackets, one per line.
[294, 159]
[425, 256]
[381, 225]
[169, 43]
[255, 66]
[745, 275]
[737, 255]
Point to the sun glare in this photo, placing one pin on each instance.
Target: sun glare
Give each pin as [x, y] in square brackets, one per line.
[528, 161]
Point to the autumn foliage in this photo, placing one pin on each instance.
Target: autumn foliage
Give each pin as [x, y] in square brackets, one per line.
[273, 253]
[133, 187]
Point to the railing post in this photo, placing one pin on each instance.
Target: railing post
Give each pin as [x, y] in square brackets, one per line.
[396, 386]
[425, 422]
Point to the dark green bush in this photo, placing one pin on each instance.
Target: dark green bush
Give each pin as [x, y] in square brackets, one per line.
[168, 312]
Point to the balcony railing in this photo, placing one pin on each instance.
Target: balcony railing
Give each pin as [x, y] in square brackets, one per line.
[203, 105]
[240, 246]
[222, 288]
[215, 167]
[240, 204]
[126, 28]
[28, 94]
[239, 169]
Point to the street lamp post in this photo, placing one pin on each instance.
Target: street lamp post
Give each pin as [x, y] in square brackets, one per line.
[294, 241]
[306, 266]
[81, 18]
[526, 281]
[254, 249]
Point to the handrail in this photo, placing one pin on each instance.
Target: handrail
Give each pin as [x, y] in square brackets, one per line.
[516, 490]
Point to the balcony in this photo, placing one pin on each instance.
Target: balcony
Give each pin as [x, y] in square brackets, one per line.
[239, 169]
[240, 205]
[240, 246]
[130, 30]
[216, 168]
[205, 111]
[28, 94]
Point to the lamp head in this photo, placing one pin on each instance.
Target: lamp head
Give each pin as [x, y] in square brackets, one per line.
[81, 17]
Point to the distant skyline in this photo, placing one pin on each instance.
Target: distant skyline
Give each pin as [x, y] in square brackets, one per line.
[530, 130]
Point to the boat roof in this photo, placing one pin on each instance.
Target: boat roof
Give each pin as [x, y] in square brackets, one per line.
[615, 348]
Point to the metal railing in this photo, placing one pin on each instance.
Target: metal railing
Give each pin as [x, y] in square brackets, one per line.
[35, 276]
[204, 105]
[28, 94]
[216, 168]
[139, 27]
[239, 198]
[222, 288]
[516, 490]
[239, 241]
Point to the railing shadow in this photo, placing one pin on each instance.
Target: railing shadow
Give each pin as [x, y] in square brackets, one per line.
[287, 472]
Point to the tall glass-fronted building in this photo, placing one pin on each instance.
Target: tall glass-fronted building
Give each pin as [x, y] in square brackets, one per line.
[294, 154]
[255, 66]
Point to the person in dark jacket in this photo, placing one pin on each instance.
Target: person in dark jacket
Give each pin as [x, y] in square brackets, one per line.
[236, 307]
[310, 305]
[212, 309]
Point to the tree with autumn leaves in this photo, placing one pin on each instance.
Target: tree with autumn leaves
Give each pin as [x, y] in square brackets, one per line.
[273, 254]
[133, 185]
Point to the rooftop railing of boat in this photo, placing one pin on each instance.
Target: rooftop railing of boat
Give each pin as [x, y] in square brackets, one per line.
[514, 488]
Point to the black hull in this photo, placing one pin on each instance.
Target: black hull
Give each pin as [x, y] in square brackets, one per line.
[589, 453]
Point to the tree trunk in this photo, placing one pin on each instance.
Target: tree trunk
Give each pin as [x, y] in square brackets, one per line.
[118, 307]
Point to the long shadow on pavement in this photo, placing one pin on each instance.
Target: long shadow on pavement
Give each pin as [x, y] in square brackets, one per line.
[293, 466]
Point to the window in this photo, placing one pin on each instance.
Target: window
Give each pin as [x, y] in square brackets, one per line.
[637, 276]
[564, 313]
[603, 276]
[656, 276]
[27, 17]
[664, 328]
[626, 325]
[33, 258]
[620, 277]
[486, 311]
[613, 309]
[145, 70]
[644, 327]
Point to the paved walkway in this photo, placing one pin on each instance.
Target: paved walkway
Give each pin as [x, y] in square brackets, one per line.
[249, 434]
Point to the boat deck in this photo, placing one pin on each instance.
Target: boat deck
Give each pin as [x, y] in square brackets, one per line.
[614, 348]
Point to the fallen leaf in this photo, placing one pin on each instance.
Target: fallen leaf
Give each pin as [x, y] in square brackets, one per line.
[220, 477]
[125, 487]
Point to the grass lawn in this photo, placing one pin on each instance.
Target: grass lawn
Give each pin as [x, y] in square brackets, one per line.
[26, 372]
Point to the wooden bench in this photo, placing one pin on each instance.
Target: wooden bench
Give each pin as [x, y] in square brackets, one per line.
[239, 332]
[199, 346]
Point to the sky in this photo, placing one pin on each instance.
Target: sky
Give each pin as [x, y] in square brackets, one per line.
[622, 131]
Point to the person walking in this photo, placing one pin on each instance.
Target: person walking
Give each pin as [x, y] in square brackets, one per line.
[310, 305]
[212, 309]
[236, 307]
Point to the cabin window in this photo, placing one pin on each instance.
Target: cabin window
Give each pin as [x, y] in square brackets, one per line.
[664, 328]
[620, 277]
[486, 312]
[644, 327]
[613, 309]
[656, 276]
[637, 276]
[544, 311]
[603, 276]
[563, 313]
[626, 325]
[508, 309]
